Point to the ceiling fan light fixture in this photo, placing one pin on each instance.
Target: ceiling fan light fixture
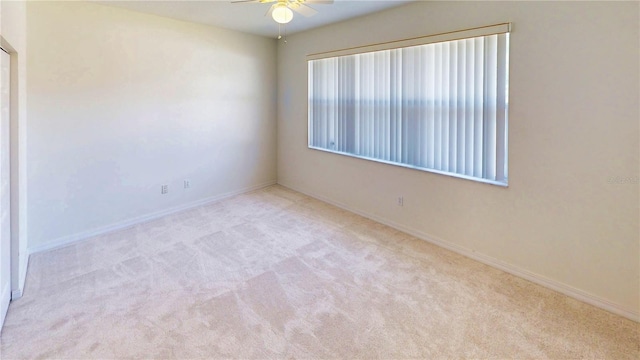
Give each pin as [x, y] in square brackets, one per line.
[281, 13]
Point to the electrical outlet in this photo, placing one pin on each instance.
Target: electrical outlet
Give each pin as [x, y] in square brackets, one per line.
[187, 184]
[164, 189]
[400, 201]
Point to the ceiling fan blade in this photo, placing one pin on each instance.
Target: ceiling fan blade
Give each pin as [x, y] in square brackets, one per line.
[270, 10]
[304, 10]
[253, 1]
[318, 1]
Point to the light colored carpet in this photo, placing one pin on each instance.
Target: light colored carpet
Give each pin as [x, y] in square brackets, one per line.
[276, 274]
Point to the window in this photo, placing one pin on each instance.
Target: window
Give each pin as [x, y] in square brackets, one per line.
[436, 103]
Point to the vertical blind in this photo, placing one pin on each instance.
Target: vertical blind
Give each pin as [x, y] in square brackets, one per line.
[439, 106]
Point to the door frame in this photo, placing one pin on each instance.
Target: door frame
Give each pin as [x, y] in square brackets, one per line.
[17, 124]
[6, 288]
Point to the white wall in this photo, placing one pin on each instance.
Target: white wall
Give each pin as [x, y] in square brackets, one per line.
[573, 125]
[121, 103]
[13, 28]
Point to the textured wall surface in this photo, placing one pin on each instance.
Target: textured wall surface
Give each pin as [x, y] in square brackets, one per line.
[121, 103]
[570, 213]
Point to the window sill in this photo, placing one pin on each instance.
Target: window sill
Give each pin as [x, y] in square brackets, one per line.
[460, 176]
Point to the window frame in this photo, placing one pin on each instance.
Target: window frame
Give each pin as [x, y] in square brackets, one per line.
[503, 28]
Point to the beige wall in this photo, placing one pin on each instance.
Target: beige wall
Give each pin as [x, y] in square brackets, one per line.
[121, 103]
[573, 125]
[13, 29]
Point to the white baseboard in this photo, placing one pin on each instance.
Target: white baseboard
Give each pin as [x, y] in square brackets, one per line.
[22, 277]
[67, 240]
[17, 294]
[4, 302]
[488, 260]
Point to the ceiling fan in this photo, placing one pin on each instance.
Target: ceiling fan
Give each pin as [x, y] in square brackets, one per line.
[281, 10]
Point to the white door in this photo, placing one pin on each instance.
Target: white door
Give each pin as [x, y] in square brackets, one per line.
[5, 219]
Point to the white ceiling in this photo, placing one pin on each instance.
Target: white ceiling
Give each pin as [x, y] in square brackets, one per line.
[250, 17]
